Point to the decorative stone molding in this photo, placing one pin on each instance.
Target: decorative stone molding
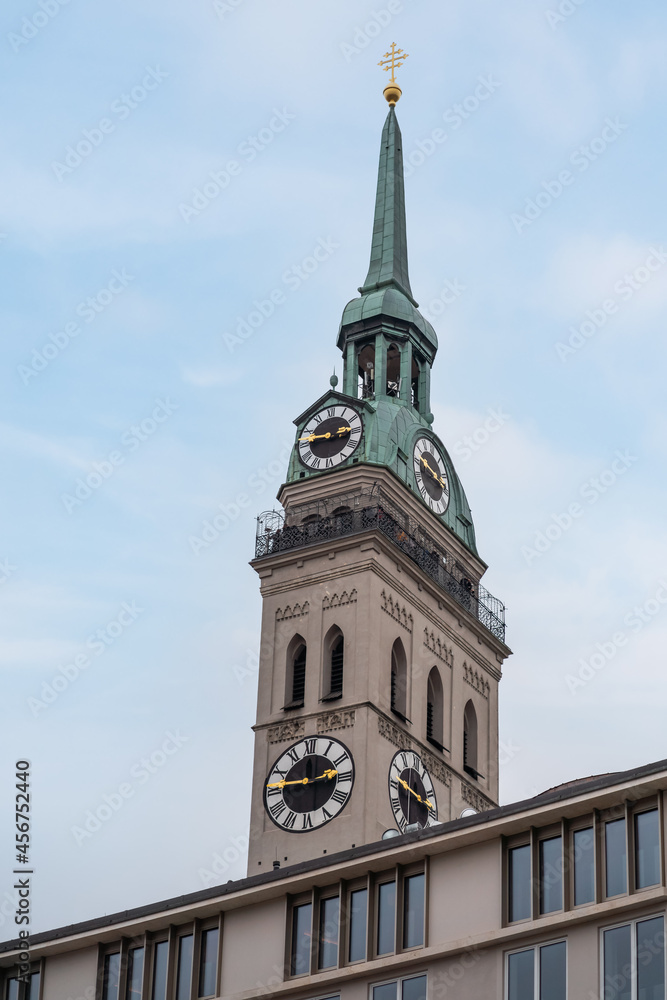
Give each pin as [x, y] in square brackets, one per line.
[475, 798]
[438, 648]
[394, 735]
[339, 600]
[298, 611]
[335, 720]
[291, 730]
[436, 768]
[395, 611]
[476, 680]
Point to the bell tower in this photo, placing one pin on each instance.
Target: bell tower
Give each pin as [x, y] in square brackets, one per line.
[381, 650]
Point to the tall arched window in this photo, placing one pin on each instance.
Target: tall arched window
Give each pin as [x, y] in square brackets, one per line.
[470, 740]
[399, 680]
[415, 381]
[366, 361]
[393, 370]
[295, 687]
[434, 709]
[334, 649]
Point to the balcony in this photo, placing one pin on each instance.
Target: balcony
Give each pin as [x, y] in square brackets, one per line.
[373, 510]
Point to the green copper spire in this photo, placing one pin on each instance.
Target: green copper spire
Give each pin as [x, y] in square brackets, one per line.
[389, 249]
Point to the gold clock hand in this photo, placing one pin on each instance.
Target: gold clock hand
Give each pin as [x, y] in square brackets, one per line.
[328, 775]
[416, 795]
[435, 475]
[329, 434]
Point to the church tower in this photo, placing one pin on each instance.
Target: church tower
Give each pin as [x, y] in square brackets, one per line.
[381, 651]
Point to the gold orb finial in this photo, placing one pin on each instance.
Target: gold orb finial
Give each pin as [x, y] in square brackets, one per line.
[393, 60]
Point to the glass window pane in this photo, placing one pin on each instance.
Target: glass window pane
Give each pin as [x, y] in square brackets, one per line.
[551, 875]
[521, 976]
[208, 965]
[135, 973]
[616, 857]
[358, 924]
[33, 989]
[651, 959]
[584, 866]
[13, 989]
[388, 991]
[111, 976]
[519, 883]
[329, 924]
[160, 970]
[413, 916]
[301, 938]
[617, 964]
[386, 917]
[553, 974]
[415, 988]
[184, 973]
[647, 846]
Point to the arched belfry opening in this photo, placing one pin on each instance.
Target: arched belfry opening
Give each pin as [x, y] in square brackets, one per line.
[393, 386]
[334, 662]
[295, 675]
[435, 709]
[366, 380]
[470, 740]
[399, 680]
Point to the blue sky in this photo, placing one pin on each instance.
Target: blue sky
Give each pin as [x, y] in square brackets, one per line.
[536, 142]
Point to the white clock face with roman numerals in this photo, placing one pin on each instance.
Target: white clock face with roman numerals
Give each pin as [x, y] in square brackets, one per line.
[431, 475]
[411, 791]
[309, 784]
[330, 437]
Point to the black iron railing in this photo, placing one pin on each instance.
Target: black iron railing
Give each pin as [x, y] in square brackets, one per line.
[373, 510]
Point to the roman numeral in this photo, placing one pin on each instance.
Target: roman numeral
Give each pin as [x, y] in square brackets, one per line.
[288, 823]
[339, 796]
[325, 753]
[345, 776]
[329, 463]
[404, 761]
[395, 804]
[293, 754]
[278, 809]
[317, 419]
[326, 814]
[273, 791]
[310, 746]
[340, 760]
[315, 463]
[307, 822]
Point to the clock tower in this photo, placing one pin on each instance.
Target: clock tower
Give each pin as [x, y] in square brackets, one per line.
[381, 650]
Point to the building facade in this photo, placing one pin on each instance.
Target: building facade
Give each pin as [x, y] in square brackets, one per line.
[380, 864]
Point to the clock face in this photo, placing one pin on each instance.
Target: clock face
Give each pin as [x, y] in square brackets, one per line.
[330, 437]
[431, 475]
[309, 784]
[411, 791]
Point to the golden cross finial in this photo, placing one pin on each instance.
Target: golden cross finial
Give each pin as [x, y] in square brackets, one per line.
[393, 60]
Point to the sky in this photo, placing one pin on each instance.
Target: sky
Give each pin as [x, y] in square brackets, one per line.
[167, 169]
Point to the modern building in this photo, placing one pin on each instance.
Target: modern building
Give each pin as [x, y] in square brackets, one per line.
[380, 864]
